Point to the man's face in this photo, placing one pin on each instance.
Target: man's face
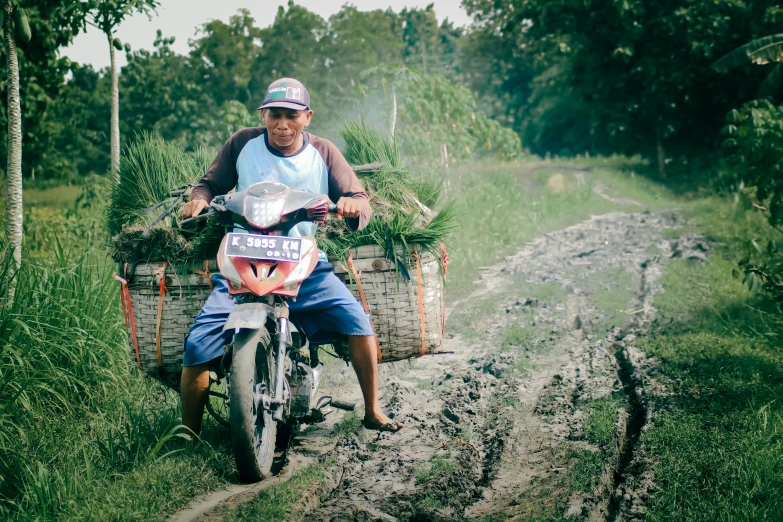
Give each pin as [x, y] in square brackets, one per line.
[285, 126]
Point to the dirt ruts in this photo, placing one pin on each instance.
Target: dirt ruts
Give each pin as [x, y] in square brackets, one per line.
[503, 426]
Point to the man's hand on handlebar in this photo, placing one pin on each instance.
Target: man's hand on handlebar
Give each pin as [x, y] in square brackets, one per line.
[349, 207]
[193, 208]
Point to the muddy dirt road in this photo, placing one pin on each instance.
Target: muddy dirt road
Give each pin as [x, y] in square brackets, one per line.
[537, 413]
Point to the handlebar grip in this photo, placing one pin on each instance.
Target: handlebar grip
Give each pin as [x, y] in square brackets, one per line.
[201, 217]
[332, 208]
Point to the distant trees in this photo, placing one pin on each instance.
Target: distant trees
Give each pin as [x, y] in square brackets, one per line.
[632, 77]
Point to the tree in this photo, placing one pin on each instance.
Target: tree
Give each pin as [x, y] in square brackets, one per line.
[421, 39]
[637, 72]
[107, 15]
[760, 51]
[15, 26]
[360, 40]
[162, 92]
[224, 59]
[41, 77]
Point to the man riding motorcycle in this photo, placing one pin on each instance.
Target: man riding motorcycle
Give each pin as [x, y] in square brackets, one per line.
[282, 151]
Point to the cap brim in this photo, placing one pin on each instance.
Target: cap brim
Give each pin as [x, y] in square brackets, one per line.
[284, 105]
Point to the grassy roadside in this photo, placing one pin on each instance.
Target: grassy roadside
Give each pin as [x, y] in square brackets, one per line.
[717, 440]
[503, 206]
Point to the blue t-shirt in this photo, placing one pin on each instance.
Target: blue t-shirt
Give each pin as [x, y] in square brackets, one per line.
[318, 167]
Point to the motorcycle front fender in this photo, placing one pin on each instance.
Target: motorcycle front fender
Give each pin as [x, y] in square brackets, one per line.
[250, 316]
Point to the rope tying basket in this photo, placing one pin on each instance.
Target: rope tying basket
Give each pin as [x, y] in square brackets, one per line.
[159, 303]
[407, 314]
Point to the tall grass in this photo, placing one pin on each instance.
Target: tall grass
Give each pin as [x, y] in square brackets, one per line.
[60, 354]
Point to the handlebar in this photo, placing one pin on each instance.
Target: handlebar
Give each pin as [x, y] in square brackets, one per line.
[208, 211]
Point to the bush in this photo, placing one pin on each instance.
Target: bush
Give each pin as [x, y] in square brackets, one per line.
[754, 142]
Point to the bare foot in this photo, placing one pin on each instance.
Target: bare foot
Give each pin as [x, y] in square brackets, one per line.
[380, 422]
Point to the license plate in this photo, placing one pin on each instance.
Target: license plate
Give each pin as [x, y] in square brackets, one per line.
[270, 248]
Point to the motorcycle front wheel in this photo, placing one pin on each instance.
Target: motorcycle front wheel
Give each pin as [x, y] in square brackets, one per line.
[253, 432]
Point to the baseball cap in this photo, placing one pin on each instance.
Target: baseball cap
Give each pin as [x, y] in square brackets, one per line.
[286, 93]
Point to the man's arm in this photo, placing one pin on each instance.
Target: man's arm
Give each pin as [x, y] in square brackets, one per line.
[222, 175]
[344, 187]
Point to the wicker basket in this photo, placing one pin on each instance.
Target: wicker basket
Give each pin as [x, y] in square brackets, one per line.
[407, 315]
[158, 319]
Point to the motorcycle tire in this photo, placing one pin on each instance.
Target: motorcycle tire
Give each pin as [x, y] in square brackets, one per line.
[253, 433]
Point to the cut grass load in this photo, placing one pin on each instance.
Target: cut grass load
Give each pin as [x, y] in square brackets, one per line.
[146, 198]
[152, 183]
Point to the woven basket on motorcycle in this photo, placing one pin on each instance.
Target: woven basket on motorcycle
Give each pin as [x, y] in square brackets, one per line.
[163, 274]
[407, 313]
[395, 267]
[159, 302]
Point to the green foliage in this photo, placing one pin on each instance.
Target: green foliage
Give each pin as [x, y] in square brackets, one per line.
[620, 76]
[42, 76]
[716, 440]
[754, 146]
[106, 15]
[763, 269]
[58, 353]
[81, 432]
[760, 51]
[160, 93]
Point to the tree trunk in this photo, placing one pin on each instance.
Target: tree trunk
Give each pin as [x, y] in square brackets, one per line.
[115, 111]
[13, 211]
[661, 155]
[394, 113]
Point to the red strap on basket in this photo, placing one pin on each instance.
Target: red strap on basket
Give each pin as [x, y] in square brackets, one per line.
[127, 312]
[419, 285]
[205, 273]
[444, 260]
[162, 274]
[363, 299]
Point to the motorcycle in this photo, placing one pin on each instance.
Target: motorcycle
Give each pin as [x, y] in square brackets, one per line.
[272, 370]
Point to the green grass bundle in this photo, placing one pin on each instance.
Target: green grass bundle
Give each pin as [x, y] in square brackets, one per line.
[402, 206]
[146, 197]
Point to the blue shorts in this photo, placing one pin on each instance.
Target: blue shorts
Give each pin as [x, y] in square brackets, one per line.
[324, 304]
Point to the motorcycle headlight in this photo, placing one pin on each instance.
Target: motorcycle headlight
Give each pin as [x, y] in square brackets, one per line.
[264, 213]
